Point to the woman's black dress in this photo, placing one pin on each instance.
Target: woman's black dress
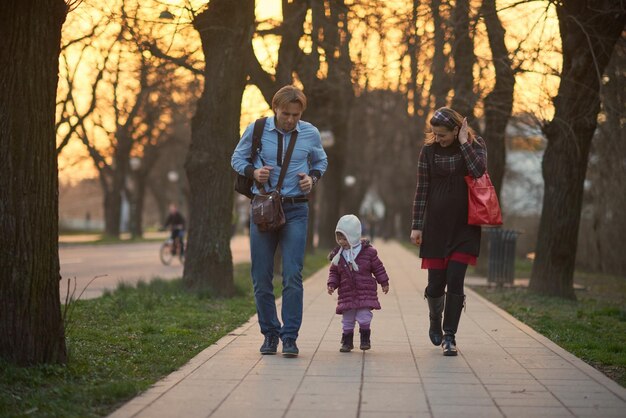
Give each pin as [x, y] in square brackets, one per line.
[445, 221]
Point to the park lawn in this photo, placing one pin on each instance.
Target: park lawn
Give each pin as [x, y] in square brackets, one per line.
[592, 328]
[100, 239]
[122, 343]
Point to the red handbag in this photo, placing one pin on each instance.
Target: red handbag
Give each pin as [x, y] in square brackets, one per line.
[483, 206]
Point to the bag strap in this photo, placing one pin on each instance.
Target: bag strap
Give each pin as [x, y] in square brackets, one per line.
[283, 169]
[257, 134]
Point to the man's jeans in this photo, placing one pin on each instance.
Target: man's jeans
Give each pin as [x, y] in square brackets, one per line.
[292, 240]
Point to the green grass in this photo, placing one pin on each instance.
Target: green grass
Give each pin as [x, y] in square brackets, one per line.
[592, 327]
[106, 240]
[123, 342]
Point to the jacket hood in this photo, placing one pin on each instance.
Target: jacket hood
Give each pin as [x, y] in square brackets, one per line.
[350, 226]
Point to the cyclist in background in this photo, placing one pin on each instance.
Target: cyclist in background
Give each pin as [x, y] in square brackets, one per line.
[176, 222]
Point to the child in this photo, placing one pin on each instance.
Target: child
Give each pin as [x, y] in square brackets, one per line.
[355, 271]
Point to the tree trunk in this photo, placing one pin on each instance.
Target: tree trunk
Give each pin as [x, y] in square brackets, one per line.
[333, 186]
[588, 36]
[138, 196]
[292, 29]
[603, 244]
[339, 96]
[116, 186]
[160, 197]
[498, 103]
[463, 52]
[31, 327]
[289, 52]
[413, 48]
[113, 203]
[441, 81]
[226, 34]
[112, 212]
[140, 186]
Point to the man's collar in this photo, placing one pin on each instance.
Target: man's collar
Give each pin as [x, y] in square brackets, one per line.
[271, 124]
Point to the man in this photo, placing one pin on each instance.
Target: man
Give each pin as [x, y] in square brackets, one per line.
[176, 222]
[308, 164]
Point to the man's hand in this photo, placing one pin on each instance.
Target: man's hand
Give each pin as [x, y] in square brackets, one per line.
[306, 182]
[416, 237]
[330, 290]
[262, 175]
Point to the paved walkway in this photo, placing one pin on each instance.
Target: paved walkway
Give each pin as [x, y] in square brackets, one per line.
[504, 368]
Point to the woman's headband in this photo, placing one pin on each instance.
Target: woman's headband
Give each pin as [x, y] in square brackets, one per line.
[441, 119]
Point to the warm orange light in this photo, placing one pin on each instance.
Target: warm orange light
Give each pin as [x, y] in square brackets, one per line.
[379, 55]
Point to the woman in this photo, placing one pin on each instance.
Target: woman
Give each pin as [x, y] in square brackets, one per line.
[447, 243]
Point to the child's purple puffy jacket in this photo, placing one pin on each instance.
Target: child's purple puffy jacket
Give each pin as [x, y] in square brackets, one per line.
[357, 289]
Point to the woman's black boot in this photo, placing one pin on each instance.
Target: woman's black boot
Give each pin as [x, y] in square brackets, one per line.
[449, 345]
[347, 342]
[435, 306]
[451, 317]
[365, 339]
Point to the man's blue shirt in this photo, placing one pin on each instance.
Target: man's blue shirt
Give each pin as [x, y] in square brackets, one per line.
[308, 155]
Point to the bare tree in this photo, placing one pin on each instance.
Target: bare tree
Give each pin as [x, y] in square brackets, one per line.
[588, 36]
[290, 56]
[129, 115]
[331, 106]
[464, 99]
[114, 175]
[602, 233]
[380, 157]
[226, 34]
[413, 41]
[31, 327]
[441, 83]
[499, 102]
[328, 96]
[70, 117]
[162, 113]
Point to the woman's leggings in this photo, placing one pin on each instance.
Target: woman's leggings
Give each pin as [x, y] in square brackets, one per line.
[453, 277]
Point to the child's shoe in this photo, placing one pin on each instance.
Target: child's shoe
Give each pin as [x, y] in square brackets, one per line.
[365, 339]
[347, 342]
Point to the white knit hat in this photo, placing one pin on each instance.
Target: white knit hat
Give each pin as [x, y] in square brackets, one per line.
[350, 227]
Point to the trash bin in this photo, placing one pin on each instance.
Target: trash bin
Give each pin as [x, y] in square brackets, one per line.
[501, 265]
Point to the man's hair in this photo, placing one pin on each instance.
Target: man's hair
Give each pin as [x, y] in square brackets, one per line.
[288, 94]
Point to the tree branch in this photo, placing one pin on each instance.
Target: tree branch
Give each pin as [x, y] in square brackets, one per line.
[180, 61]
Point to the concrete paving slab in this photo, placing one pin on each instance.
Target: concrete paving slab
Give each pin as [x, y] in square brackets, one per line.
[456, 411]
[504, 368]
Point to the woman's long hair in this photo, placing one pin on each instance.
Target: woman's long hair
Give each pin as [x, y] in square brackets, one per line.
[449, 119]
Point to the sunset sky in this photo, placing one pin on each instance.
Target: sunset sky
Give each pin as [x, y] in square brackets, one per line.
[533, 24]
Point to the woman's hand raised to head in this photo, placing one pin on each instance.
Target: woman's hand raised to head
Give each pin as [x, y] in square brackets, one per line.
[463, 134]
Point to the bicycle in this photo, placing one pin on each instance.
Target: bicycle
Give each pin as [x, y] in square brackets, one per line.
[170, 249]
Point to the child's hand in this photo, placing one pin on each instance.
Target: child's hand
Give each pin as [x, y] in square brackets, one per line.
[385, 289]
[330, 290]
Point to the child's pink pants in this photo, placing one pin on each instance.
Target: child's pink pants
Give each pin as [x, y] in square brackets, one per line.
[363, 316]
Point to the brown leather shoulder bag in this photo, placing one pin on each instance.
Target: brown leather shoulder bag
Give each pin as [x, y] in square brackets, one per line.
[267, 208]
